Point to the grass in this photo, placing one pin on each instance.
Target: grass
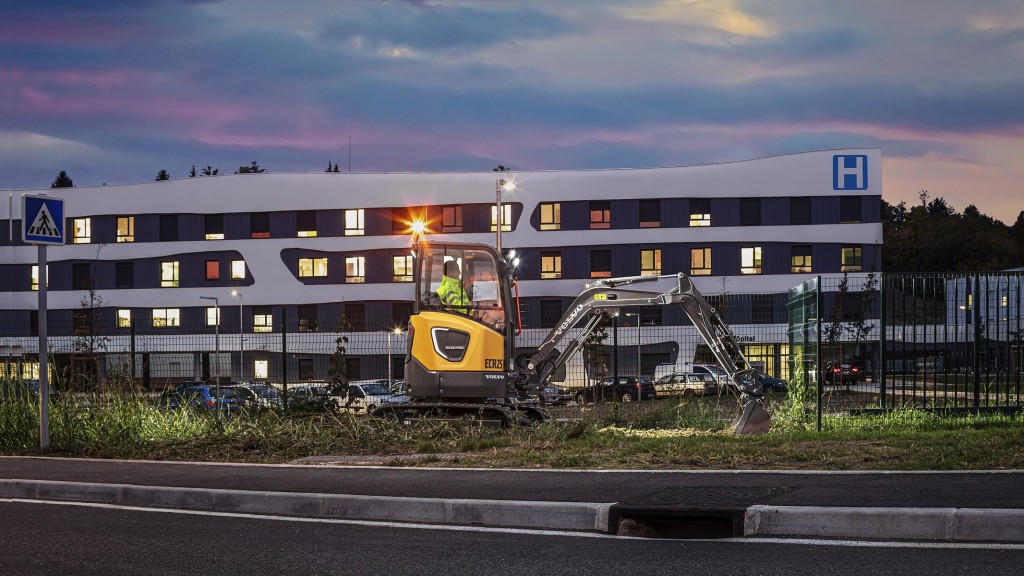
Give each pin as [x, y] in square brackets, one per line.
[667, 434]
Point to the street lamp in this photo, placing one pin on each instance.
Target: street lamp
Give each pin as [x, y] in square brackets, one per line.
[391, 379]
[241, 340]
[216, 342]
[508, 186]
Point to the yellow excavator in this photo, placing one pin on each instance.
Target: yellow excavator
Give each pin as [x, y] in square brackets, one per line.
[462, 357]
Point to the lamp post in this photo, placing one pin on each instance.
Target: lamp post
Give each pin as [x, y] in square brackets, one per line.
[241, 339]
[391, 379]
[508, 186]
[216, 343]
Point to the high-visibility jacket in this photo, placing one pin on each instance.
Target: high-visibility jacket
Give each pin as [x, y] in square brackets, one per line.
[451, 293]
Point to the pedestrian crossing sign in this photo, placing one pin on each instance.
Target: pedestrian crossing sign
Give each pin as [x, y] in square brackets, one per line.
[42, 220]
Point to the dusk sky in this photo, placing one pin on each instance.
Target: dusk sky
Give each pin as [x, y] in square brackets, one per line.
[114, 91]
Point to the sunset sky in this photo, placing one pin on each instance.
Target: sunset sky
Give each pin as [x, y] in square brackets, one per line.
[114, 91]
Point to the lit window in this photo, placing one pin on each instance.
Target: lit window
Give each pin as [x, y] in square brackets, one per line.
[262, 319]
[259, 225]
[35, 277]
[213, 316]
[355, 269]
[551, 216]
[750, 260]
[550, 265]
[214, 226]
[800, 259]
[261, 369]
[852, 259]
[506, 218]
[1004, 301]
[237, 269]
[126, 229]
[124, 318]
[306, 223]
[650, 262]
[451, 219]
[401, 269]
[82, 233]
[168, 274]
[213, 269]
[700, 261]
[166, 317]
[600, 263]
[600, 215]
[700, 212]
[310, 267]
[354, 222]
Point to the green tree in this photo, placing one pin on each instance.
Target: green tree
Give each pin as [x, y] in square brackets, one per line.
[253, 168]
[210, 171]
[192, 174]
[62, 181]
[162, 175]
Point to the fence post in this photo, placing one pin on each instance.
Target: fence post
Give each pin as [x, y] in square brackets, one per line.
[819, 391]
[284, 356]
[976, 304]
[883, 341]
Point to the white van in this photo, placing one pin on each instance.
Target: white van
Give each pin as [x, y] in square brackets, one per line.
[662, 370]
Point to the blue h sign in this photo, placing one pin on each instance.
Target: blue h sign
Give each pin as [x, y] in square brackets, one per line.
[42, 220]
[850, 172]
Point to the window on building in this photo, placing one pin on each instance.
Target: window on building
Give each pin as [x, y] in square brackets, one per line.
[400, 313]
[750, 211]
[650, 262]
[750, 260]
[166, 317]
[762, 309]
[355, 317]
[600, 263]
[81, 276]
[213, 269]
[308, 321]
[849, 209]
[124, 318]
[83, 321]
[650, 213]
[125, 274]
[126, 228]
[169, 274]
[305, 223]
[259, 225]
[800, 211]
[355, 222]
[852, 259]
[402, 219]
[306, 369]
[451, 219]
[550, 313]
[353, 368]
[506, 218]
[551, 216]
[168, 227]
[262, 319]
[700, 261]
[550, 265]
[261, 369]
[35, 277]
[700, 212]
[800, 258]
[355, 269]
[600, 215]
[214, 226]
[651, 315]
[213, 316]
[237, 269]
[81, 230]
[312, 267]
[401, 268]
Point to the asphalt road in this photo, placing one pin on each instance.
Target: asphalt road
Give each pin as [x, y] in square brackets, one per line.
[45, 539]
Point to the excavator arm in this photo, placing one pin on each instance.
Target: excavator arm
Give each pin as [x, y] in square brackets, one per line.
[604, 298]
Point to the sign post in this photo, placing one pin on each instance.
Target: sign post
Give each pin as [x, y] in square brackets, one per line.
[42, 219]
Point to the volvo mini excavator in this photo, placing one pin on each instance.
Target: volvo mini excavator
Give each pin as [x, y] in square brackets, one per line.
[462, 357]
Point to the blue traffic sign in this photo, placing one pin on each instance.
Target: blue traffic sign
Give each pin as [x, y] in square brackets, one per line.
[42, 220]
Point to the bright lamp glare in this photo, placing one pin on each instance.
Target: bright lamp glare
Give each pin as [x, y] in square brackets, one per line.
[418, 227]
[508, 185]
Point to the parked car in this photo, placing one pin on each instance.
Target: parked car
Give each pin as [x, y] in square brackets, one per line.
[841, 373]
[687, 384]
[623, 388]
[554, 396]
[312, 397]
[29, 387]
[772, 384]
[201, 397]
[715, 371]
[364, 396]
[257, 396]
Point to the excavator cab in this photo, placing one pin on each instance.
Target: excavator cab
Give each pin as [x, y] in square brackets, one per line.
[462, 331]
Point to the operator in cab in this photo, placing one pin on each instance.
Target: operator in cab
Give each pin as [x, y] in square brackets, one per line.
[450, 291]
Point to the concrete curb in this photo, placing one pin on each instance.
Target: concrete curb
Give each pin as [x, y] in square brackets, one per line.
[571, 516]
[933, 524]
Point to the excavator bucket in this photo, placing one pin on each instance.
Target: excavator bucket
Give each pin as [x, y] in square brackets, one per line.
[753, 421]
